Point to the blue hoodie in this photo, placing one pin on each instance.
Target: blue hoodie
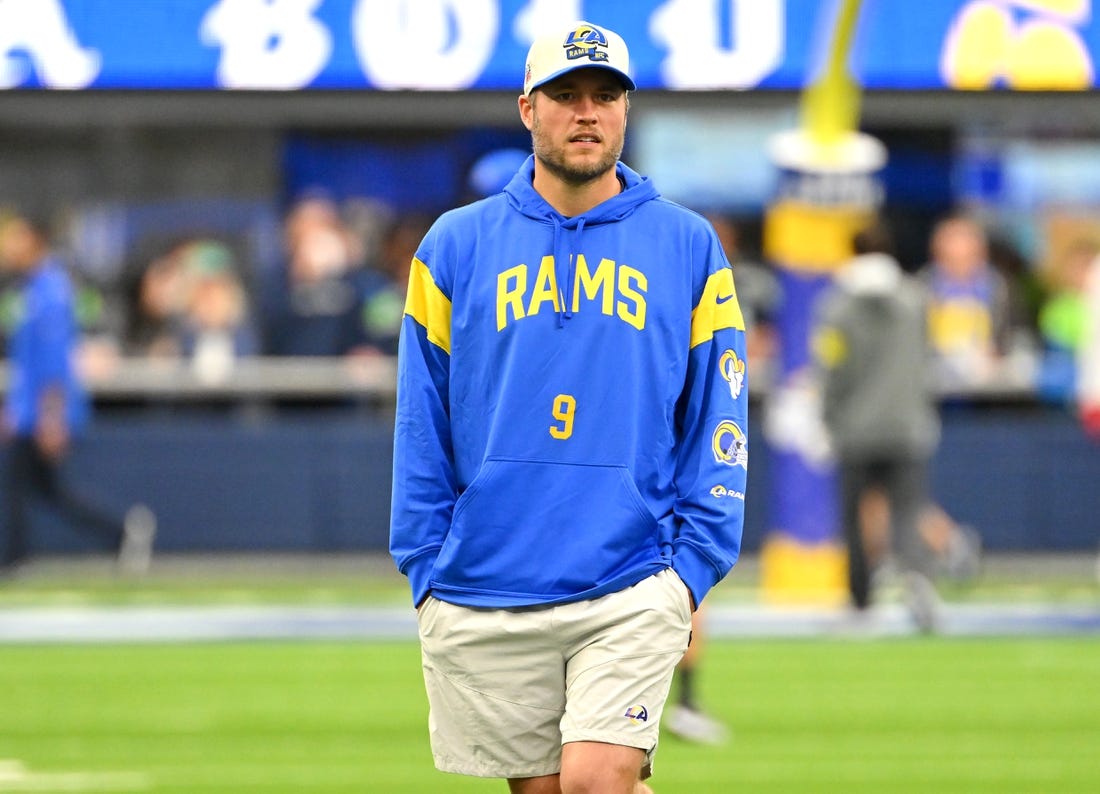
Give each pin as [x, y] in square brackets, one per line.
[41, 351]
[571, 402]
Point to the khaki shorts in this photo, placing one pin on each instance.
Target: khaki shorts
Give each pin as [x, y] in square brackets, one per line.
[508, 687]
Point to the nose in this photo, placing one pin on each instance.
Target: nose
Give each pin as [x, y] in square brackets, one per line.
[585, 108]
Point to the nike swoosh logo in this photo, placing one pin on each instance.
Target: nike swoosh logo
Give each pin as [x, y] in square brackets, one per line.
[720, 299]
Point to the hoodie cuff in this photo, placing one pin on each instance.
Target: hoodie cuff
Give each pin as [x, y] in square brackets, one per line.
[695, 570]
[419, 572]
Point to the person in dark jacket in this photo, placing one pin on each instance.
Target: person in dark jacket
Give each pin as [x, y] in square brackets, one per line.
[872, 347]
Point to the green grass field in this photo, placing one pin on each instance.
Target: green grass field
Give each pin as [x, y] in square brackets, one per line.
[906, 715]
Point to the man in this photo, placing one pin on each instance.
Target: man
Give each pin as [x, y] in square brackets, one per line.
[970, 306]
[570, 459]
[871, 343]
[309, 303]
[45, 406]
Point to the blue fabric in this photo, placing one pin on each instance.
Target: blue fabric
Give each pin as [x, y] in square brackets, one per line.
[493, 508]
[41, 350]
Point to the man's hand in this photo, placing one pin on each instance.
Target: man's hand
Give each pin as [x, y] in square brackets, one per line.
[52, 437]
[51, 434]
[691, 599]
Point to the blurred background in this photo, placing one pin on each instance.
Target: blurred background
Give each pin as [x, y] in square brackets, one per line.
[235, 189]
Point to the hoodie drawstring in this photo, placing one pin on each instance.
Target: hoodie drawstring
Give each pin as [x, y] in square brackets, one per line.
[571, 270]
[556, 252]
[567, 285]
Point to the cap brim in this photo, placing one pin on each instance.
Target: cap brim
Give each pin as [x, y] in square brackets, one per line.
[624, 78]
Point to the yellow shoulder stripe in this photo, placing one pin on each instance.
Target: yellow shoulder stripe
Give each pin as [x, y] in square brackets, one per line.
[427, 304]
[717, 309]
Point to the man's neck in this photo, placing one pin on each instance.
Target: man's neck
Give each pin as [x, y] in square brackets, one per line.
[572, 200]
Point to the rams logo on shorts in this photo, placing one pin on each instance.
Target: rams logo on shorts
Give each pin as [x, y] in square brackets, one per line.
[582, 43]
[637, 713]
[732, 368]
[730, 445]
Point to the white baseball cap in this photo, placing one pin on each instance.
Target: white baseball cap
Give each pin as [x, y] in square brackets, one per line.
[583, 45]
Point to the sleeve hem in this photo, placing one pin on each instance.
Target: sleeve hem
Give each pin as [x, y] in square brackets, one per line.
[419, 571]
[696, 571]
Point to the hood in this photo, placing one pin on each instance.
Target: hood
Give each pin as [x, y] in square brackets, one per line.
[566, 234]
[870, 275]
[523, 197]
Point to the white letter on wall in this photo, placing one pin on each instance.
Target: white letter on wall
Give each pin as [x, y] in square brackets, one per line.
[39, 28]
[426, 44]
[267, 44]
[690, 30]
[538, 15]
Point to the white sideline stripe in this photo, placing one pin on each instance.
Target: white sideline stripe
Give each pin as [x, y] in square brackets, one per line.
[15, 776]
[961, 620]
[167, 624]
[222, 623]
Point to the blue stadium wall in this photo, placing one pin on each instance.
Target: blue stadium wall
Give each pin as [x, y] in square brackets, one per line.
[318, 480]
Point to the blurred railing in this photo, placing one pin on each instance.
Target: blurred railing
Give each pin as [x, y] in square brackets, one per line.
[308, 378]
[374, 378]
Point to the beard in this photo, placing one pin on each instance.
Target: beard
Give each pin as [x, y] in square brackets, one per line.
[553, 159]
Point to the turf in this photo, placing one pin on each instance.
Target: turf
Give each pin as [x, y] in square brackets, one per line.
[909, 715]
[373, 580]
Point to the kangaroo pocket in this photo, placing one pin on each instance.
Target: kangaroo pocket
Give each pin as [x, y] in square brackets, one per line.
[545, 530]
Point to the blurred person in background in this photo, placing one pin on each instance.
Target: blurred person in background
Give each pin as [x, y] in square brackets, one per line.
[46, 407]
[216, 328]
[310, 302]
[158, 305]
[970, 325]
[11, 291]
[872, 349]
[956, 547]
[385, 283]
[1026, 293]
[366, 220]
[969, 310]
[1064, 321]
[190, 305]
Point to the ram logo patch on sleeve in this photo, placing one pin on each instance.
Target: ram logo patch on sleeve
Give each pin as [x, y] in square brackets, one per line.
[732, 368]
[729, 444]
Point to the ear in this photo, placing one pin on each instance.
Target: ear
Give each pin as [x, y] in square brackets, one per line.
[526, 111]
